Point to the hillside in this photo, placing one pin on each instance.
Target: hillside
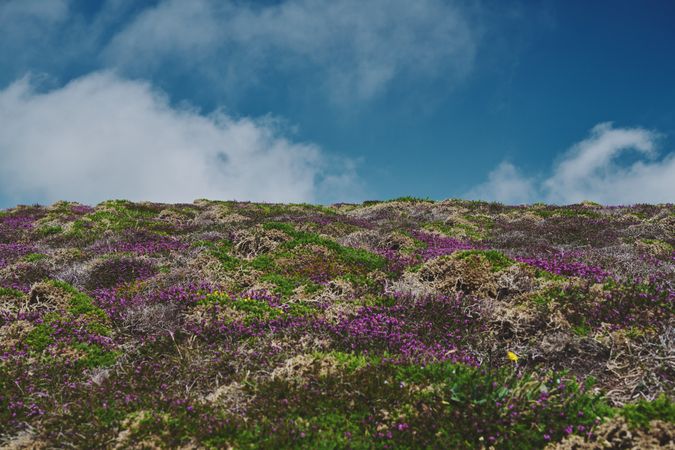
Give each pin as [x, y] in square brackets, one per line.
[399, 324]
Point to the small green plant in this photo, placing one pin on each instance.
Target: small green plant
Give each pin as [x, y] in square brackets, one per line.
[641, 413]
[264, 263]
[49, 230]
[9, 292]
[95, 355]
[79, 303]
[498, 261]
[40, 337]
[349, 255]
[34, 257]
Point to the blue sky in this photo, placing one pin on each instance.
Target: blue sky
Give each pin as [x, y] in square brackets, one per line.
[307, 100]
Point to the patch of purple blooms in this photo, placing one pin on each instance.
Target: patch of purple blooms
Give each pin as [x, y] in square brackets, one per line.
[437, 245]
[12, 251]
[561, 264]
[428, 329]
[141, 243]
[17, 222]
[117, 301]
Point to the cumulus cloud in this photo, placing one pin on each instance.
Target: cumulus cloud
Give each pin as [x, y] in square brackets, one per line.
[357, 48]
[102, 137]
[590, 170]
[28, 27]
[505, 184]
[14, 11]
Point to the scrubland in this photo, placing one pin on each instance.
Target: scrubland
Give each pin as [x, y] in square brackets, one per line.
[399, 324]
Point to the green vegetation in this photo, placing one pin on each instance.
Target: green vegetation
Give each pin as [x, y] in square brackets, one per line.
[34, 257]
[9, 292]
[498, 261]
[410, 199]
[352, 256]
[114, 215]
[471, 231]
[49, 230]
[302, 326]
[641, 413]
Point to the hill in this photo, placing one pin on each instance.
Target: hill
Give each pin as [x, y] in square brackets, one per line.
[398, 324]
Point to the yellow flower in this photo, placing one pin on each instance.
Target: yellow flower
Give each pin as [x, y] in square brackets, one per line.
[512, 356]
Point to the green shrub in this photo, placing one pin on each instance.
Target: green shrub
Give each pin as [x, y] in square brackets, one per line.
[9, 292]
[40, 337]
[498, 261]
[95, 356]
[34, 257]
[641, 413]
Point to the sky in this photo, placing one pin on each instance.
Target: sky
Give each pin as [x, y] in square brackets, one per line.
[337, 101]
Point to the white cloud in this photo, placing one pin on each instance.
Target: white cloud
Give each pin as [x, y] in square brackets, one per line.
[27, 28]
[103, 137]
[357, 48]
[589, 170]
[504, 184]
[13, 11]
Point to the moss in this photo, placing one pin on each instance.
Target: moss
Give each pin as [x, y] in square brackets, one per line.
[641, 413]
[255, 310]
[662, 245]
[80, 303]
[300, 309]
[457, 230]
[34, 257]
[222, 251]
[40, 337]
[95, 355]
[358, 280]
[352, 362]
[114, 215]
[352, 256]
[9, 292]
[546, 275]
[332, 430]
[99, 328]
[581, 329]
[49, 230]
[264, 263]
[285, 285]
[498, 261]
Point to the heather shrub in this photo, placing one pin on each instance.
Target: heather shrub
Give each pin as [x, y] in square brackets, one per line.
[110, 272]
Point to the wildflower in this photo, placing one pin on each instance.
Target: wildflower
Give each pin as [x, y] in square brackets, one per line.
[512, 356]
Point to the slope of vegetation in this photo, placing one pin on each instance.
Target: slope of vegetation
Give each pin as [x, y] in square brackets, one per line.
[399, 324]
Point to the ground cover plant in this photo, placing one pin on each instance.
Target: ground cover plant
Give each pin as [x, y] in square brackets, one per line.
[407, 323]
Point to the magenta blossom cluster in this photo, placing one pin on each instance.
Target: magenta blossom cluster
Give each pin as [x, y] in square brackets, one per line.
[12, 251]
[141, 243]
[17, 222]
[560, 264]
[117, 301]
[437, 245]
[435, 328]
